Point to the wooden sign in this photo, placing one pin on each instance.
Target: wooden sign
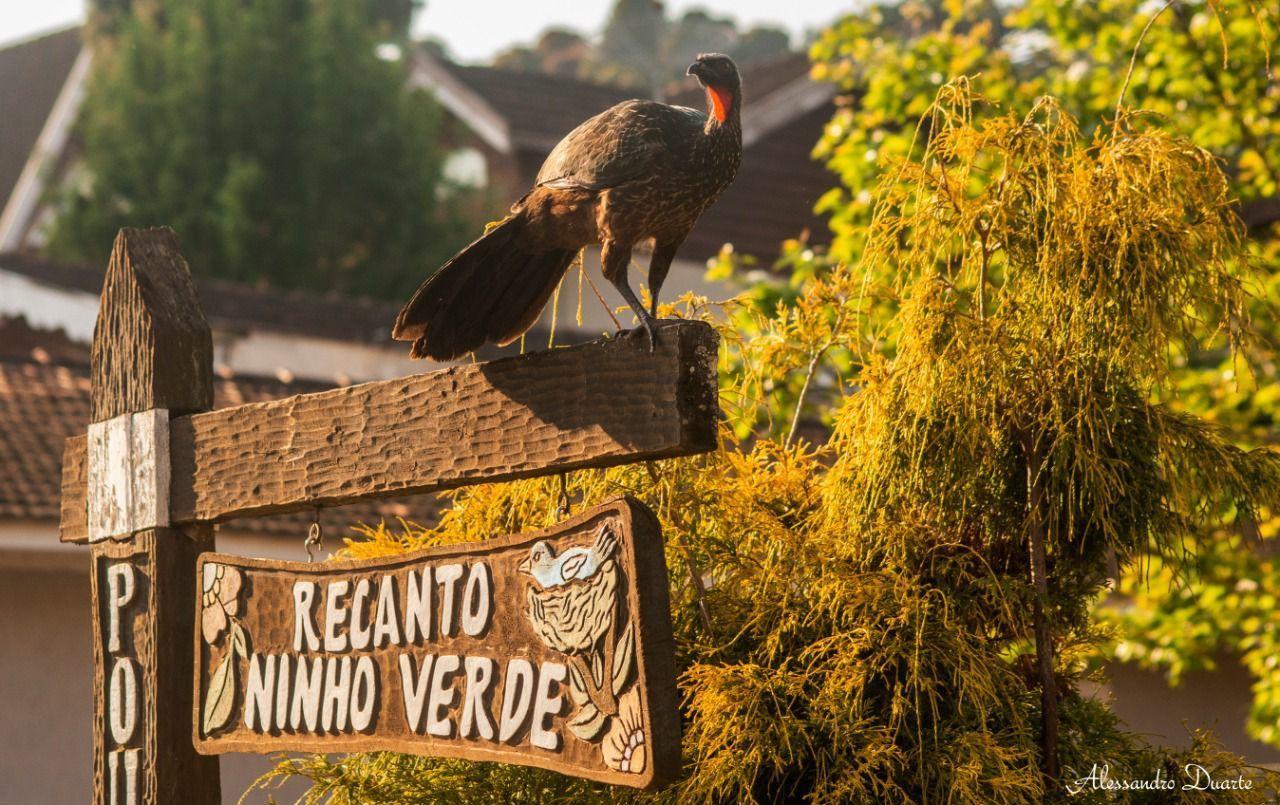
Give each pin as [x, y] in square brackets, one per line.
[550, 649]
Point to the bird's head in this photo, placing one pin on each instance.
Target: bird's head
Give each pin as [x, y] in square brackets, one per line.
[540, 555]
[719, 75]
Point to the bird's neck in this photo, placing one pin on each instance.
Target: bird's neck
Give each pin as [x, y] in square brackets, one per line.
[723, 109]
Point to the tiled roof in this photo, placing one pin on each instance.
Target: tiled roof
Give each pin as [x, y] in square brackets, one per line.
[41, 404]
[232, 307]
[31, 76]
[773, 196]
[539, 109]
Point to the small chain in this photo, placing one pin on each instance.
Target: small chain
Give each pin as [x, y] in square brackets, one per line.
[565, 502]
[315, 538]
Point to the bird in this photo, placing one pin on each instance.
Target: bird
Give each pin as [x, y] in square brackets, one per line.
[552, 570]
[638, 171]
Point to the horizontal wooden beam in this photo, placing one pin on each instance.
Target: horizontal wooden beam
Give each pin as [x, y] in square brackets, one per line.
[594, 405]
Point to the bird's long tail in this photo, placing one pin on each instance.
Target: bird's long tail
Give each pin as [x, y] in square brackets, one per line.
[490, 292]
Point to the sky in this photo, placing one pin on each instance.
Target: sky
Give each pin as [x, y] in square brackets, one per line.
[475, 30]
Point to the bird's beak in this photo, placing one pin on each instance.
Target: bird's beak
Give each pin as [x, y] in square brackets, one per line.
[525, 567]
[695, 70]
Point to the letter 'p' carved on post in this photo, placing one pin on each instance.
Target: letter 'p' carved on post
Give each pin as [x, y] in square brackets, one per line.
[152, 358]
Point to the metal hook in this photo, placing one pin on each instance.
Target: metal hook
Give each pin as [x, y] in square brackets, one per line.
[315, 537]
[564, 508]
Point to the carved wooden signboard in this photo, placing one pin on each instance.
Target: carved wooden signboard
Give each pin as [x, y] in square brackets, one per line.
[550, 649]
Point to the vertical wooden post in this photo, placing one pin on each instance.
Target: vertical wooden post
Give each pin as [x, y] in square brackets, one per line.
[152, 357]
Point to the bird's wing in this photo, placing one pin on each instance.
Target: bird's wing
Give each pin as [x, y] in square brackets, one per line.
[622, 143]
[573, 562]
[606, 543]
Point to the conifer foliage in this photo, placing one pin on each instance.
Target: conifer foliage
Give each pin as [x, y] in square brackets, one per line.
[858, 622]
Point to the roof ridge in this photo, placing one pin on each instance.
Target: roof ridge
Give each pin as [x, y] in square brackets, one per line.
[549, 77]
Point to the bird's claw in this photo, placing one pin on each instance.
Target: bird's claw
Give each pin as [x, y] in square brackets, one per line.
[647, 327]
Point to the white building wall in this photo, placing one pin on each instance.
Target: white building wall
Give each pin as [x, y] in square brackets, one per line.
[48, 308]
[46, 668]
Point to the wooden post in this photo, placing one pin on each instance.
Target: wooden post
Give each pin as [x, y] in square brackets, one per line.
[152, 357]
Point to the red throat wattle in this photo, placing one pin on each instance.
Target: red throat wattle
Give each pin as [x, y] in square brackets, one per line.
[721, 102]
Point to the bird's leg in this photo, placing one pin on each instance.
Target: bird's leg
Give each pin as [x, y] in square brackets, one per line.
[659, 265]
[615, 260]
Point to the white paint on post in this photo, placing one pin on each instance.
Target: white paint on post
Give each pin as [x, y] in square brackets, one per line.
[120, 587]
[122, 776]
[128, 474]
[122, 701]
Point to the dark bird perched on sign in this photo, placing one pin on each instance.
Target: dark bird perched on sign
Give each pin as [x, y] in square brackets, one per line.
[639, 170]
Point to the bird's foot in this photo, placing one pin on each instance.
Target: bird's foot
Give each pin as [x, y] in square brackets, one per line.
[648, 326]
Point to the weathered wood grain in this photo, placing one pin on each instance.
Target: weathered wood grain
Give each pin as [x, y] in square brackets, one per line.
[154, 639]
[594, 405]
[151, 350]
[151, 344]
[74, 504]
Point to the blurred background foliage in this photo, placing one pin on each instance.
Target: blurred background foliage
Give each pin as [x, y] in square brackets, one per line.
[645, 45]
[273, 136]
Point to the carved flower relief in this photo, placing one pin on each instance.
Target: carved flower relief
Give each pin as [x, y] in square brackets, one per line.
[623, 747]
[220, 599]
[219, 604]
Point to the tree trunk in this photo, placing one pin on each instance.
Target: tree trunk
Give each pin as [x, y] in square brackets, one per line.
[1043, 633]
